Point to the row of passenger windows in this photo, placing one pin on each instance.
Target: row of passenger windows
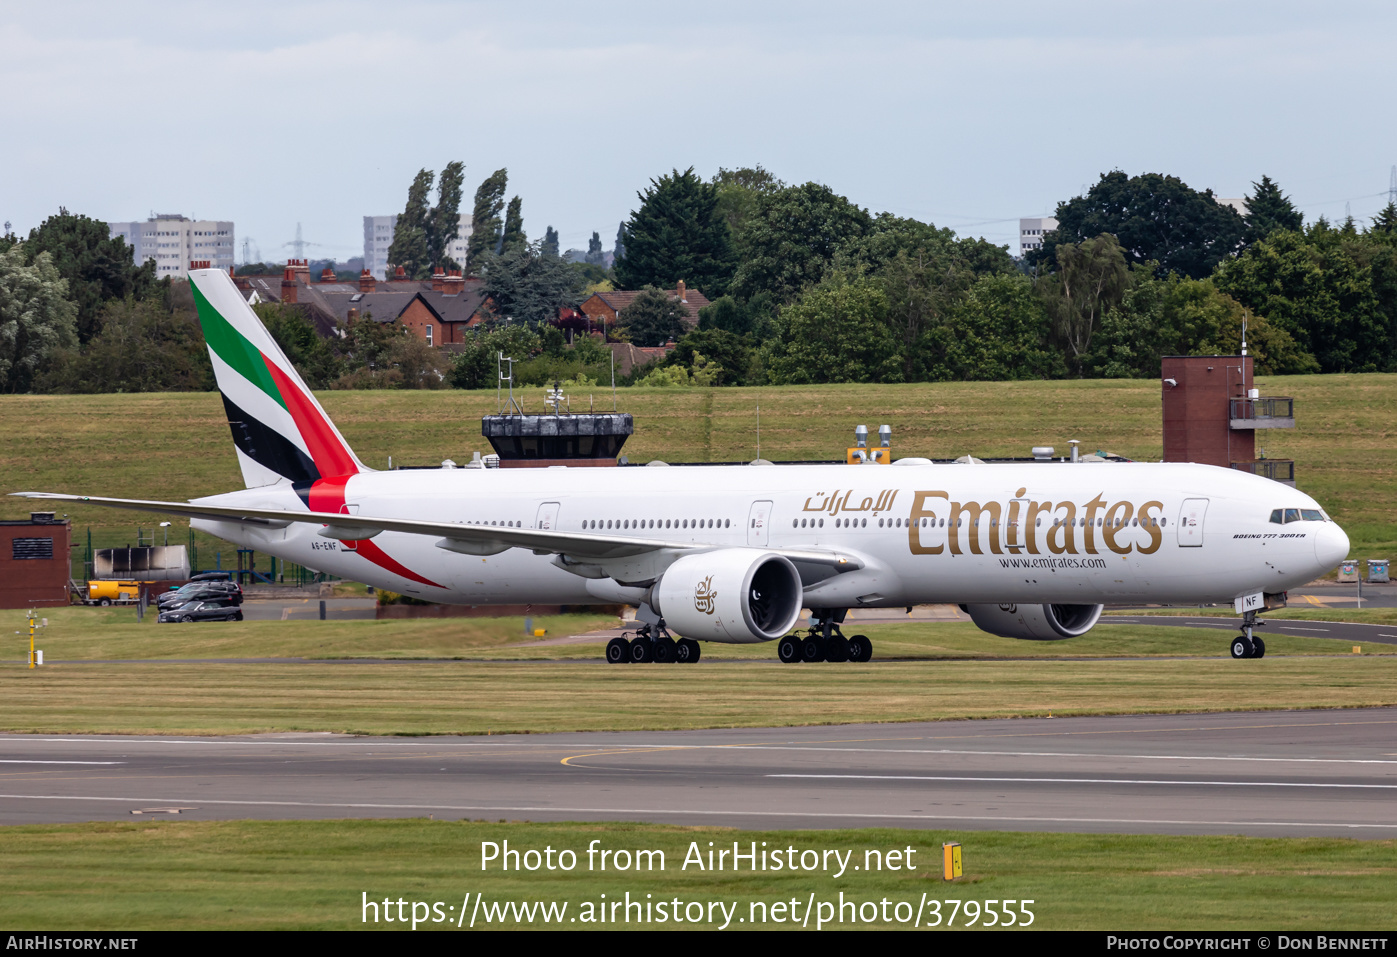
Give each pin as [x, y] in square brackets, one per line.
[658, 523]
[941, 523]
[1284, 516]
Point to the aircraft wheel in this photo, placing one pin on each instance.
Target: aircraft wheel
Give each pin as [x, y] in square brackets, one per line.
[1259, 647]
[1241, 648]
[618, 651]
[788, 650]
[686, 651]
[837, 649]
[812, 649]
[641, 650]
[860, 648]
[664, 650]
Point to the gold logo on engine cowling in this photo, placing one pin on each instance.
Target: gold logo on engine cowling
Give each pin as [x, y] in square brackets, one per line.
[705, 596]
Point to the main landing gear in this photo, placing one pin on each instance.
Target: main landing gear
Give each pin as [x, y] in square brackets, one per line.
[825, 642]
[1247, 645]
[652, 644]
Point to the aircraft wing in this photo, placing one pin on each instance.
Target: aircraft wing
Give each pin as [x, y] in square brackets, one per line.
[483, 539]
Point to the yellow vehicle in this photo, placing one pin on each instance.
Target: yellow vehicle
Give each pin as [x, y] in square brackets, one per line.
[114, 592]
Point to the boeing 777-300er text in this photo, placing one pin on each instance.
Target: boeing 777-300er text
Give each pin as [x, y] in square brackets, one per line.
[733, 553]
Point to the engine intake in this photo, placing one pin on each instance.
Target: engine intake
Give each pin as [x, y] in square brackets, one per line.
[733, 595]
[1034, 622]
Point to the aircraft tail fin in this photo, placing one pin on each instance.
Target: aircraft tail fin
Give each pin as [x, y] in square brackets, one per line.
[279, 428]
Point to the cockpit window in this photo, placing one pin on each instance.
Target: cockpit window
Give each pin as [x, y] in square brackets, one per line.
[1284, 516]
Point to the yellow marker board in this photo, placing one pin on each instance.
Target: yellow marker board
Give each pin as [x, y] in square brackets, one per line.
[950, 861]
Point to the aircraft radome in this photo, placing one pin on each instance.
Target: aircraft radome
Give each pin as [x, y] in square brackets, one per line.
[733, 553]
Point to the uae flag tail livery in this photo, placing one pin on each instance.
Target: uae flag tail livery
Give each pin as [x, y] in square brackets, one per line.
[279, 428]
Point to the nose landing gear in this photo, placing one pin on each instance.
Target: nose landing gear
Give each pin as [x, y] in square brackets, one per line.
[1247, 645]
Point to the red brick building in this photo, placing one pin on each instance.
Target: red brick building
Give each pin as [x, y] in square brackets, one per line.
[1212, 411]
[34, 566]
[603, 307]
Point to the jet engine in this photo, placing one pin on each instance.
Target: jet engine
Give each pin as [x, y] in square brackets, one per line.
[1034, 622]
[734, 595]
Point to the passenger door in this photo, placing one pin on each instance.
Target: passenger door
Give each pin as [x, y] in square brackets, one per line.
[1190, 528]
[758, 524]
[547, 520]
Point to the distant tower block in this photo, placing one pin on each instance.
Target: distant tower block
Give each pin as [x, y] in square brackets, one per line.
[1212, 412]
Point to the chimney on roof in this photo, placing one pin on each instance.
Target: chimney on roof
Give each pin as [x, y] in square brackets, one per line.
[353, 314]
[198, 264]
[453, 283]
[367, 282]
[231, 272]
[327, 275]
[302, 269]
[288, 283]
[683, 293]
[400, 274]
[438, 279]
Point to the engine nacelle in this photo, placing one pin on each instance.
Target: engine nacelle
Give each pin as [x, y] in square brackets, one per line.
[734, 595]
[1034, 622]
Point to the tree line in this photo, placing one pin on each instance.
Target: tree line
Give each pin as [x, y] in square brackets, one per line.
[805, 287]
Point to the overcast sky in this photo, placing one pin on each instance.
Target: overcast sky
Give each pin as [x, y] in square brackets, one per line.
[967, 115]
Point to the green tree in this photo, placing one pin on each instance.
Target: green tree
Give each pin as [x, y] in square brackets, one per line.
[1315, 288]
[738, 190]
[595, 256]
[514, 238]
[550, 242]
[726, 356]
[529, 287]
[1155, 219]
[411, 246]
[37, 319]
[98, 267]
[485, 220]
[1385, 222]
[143, 347]
[998, 331]
[620, 251]
[1091, 279]
[677, 233]
[1268, 209]
[444, 220]
[791, 240]
[1178, 316]
[837, 332]
[476, 365]
[652, 318]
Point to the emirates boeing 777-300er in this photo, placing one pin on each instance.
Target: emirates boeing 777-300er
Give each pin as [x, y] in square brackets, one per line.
[734, 553]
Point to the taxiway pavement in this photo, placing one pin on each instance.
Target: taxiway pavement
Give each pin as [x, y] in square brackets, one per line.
[1297, 773]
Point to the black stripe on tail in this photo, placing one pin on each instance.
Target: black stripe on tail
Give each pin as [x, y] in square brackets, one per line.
[268, 447]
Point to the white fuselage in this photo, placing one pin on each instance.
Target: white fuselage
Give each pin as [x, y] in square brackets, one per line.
[1026, 533]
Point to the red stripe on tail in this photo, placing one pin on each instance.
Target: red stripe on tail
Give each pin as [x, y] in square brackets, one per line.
[330, 455]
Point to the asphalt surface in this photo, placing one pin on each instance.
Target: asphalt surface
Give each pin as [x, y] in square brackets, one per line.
[1350, 632]
[1287, 774]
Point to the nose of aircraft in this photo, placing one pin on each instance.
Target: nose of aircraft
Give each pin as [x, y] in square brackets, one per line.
[1331, 545]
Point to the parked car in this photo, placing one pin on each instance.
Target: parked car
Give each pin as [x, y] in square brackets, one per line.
[214, 609]
[197, 591]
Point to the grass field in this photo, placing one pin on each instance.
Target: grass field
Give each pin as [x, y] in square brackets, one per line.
[316, 875]
[480, 697]
[77, 633]
[1343, 444]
